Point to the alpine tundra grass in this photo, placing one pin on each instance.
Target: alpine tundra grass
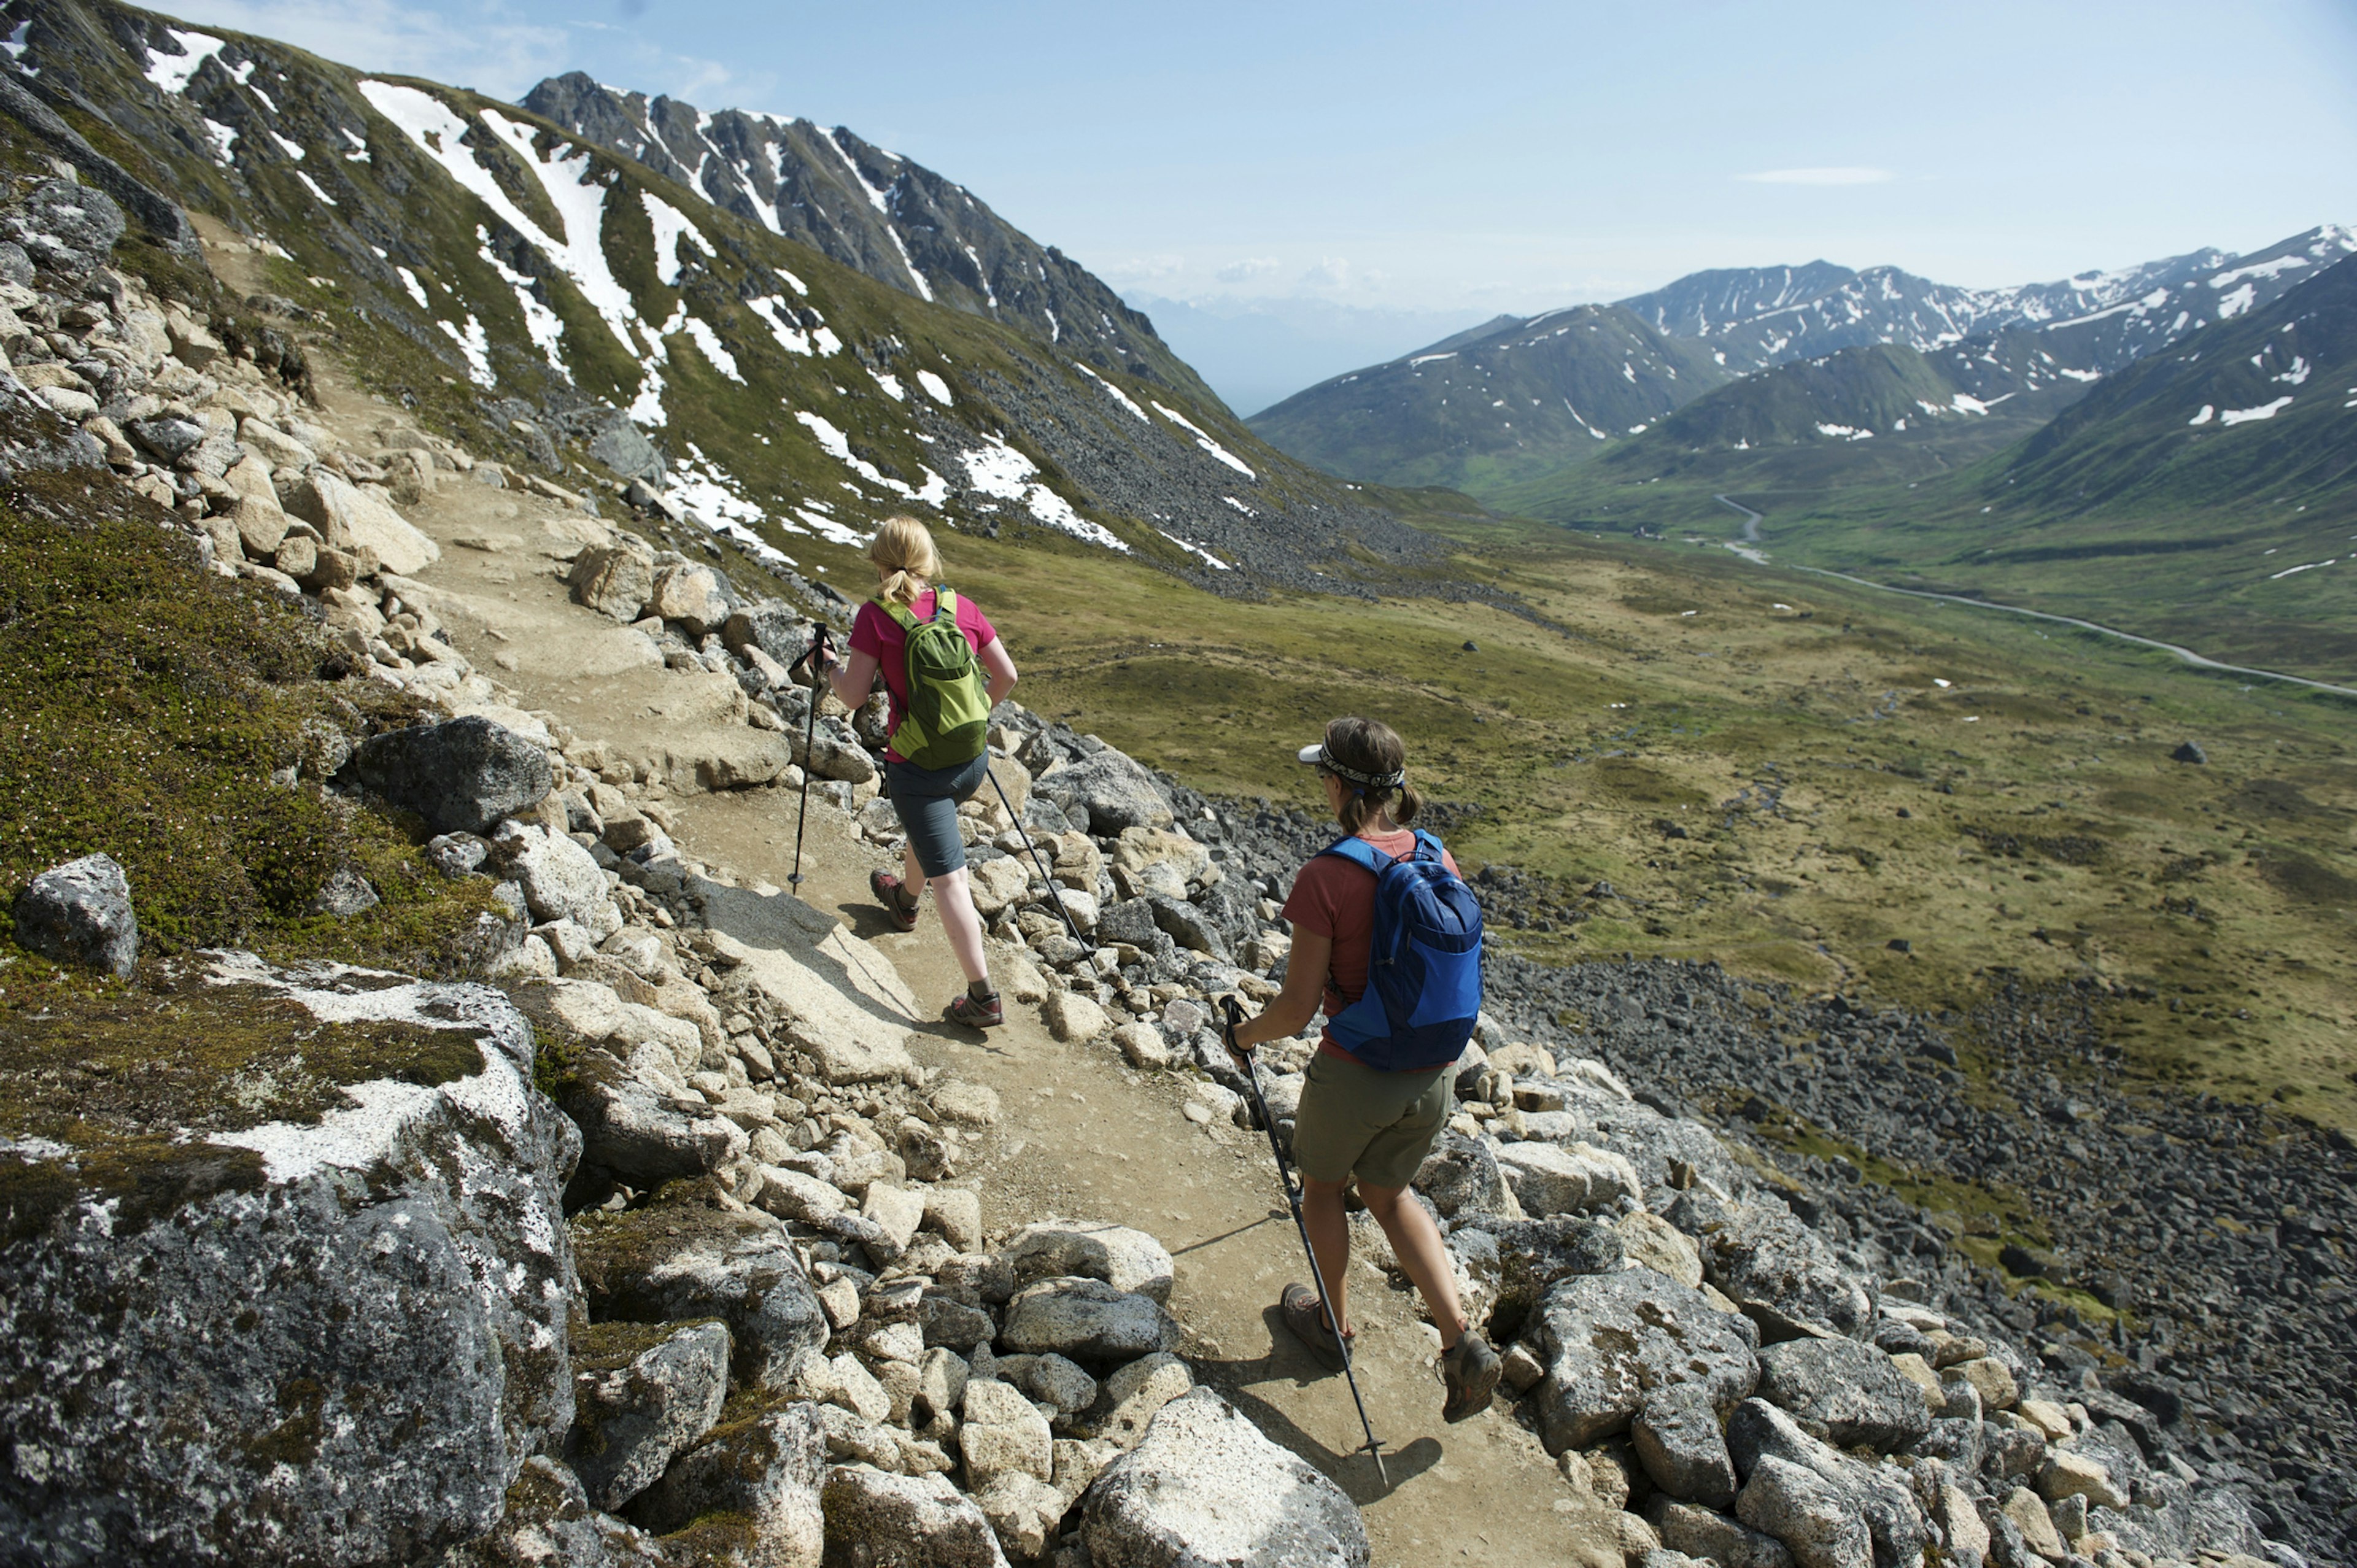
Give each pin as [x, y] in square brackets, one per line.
[1684, 755]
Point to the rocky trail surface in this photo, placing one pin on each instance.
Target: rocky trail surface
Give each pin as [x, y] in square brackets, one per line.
[729, 1254]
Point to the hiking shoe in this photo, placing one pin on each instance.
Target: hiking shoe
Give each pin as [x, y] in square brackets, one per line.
[964, 1009]
[1470, 1370]
[886, 888]
[1305, 1316]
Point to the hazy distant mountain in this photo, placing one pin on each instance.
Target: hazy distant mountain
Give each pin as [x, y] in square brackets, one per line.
[1512, 399]
[1398, 421]
[1255, 353]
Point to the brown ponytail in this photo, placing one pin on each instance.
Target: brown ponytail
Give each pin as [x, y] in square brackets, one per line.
[1375, 748]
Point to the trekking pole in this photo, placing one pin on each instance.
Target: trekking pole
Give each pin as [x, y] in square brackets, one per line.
[1045, 875]
[1293, 1200]
[815, 657]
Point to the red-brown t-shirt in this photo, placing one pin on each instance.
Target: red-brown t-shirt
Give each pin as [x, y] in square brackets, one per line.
[877, 634]
[1337, 899]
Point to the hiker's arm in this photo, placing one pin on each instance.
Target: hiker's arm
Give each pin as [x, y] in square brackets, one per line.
[1000, 668]
[1304, 989]
[853, 678]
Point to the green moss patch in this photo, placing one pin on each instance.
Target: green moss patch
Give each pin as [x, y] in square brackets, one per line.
[147, 706]
[133, 1082]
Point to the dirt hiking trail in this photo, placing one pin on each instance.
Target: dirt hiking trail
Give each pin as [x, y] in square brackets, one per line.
[1080, 1133]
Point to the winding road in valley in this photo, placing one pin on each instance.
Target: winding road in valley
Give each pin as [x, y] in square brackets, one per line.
[1752, 537]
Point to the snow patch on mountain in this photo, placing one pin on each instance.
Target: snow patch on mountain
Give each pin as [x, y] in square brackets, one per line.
[1205, 441]
[172, 72]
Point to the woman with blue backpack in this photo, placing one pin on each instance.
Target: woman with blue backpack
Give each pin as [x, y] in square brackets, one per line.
[945, 668]
[1386, 936]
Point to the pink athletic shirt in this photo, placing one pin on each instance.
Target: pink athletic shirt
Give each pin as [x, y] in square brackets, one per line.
[876, 633]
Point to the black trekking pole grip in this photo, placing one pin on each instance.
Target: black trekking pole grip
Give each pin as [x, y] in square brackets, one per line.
[812, 656]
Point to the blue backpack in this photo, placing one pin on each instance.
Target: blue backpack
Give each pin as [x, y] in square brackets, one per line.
[1424, 972]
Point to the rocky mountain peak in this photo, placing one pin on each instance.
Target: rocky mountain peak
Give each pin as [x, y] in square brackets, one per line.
[892, 218]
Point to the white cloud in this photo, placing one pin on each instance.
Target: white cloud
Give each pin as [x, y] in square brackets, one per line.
[1249, 268]
[489, 50]
[1848, 175]
[1142, 269]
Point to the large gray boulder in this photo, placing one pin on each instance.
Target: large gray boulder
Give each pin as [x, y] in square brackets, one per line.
[686, 1256]
[80, 913]
[641, 1394]
[1535, 1255]
[1677, 1439]
[1125, 1258]
[1814, 1517]
[1206, 1489]
[67, 228]
[461, 776]
[1110, 792]
[307, 1302]
[639, 1134]
[558, 878]
[1699, 1531]
[615, 579]
[1783, 1275]
[1845, 1391]
[876, 1519]
[549, 1520]
[1462, 1179]
[1607, 1340]
[1757, 1431]
[749, 1491]
[1086, 1320]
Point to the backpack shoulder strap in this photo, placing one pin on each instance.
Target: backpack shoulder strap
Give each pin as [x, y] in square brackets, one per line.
[898, 612]
[944, 604]
[1359, 853]
[1427, 846]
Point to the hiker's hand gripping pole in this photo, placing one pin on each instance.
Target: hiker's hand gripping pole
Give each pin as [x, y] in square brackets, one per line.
[1245, 1062]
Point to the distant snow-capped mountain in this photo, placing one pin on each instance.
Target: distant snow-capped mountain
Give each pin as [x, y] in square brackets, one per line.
[1517, 397]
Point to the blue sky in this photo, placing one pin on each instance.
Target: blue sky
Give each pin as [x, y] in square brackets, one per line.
[1486, 157]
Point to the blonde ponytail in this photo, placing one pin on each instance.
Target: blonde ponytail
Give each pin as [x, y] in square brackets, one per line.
[902, 550]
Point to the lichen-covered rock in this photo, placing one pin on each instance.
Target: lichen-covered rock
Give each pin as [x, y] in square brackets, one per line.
[694, 1253]
[748, 1494]
[1608, 1339]
[1808, 1513]
[293, 1287]
[614, 579]
[1551, 1179]
[1125, 1258]
[80, 913]
[1534, 1256]
[1087, 1320]
[1110, 792]
[1773, 1266]
[1677, 1438]
[641, 1134]
[1463, 1180]
[641, 1394]
[550, 1523]
[875, 1520]
[350, 517]
[1846, 1393]
[1205, 1488]
[461, 776]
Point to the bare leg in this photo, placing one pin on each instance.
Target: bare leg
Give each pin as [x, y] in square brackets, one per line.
[953, 896]
[1415, 1242]
[1329, 1238]
[912, 875]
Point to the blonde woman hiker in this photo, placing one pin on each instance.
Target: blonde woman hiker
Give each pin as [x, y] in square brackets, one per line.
[946, 669]
[1380, 1087]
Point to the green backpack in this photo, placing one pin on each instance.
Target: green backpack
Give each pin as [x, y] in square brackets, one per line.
[947, 723]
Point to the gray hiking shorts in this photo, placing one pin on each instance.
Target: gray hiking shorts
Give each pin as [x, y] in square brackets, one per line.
[927, 799]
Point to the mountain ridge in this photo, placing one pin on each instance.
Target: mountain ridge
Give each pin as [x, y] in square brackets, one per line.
[1749, 320]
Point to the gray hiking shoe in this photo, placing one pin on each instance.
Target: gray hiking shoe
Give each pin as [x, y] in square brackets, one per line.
[1305, 1316]
[1470, 1370]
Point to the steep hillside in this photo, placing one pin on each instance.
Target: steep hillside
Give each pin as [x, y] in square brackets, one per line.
[533, 293]
[1499, 402]
[1750, 320]
[897, 222]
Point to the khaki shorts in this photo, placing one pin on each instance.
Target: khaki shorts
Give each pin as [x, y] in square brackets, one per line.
[1377, 1126]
